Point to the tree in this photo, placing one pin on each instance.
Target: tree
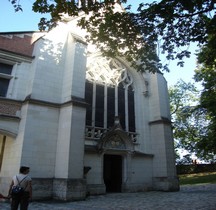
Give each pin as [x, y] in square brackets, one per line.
[185, 160]
[169, 24]
[191, 121]
[206, 73]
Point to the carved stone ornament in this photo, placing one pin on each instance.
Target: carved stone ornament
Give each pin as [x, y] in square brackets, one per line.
[107, 71]
[115, 139]
[115, 142]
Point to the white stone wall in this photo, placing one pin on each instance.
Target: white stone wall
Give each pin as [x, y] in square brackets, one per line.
[95, 161]
[159, 100]
[69, 67]
[142, 113]
[170, 153]
[75, 67]
[79, 72]
[63, 143]
[154, 99]
[19, 84]
[70, 145]
[160, 126]
[76, 159]
[38, 133]
[141, 170]
[49, 66]
[159, 151]
[164, 97]
[10, 126]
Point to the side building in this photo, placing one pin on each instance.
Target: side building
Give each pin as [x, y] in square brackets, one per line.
[83, 123]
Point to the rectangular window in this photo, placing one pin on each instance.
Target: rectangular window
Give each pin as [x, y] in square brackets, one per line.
[5, 68]
[99, 114]
[110, 106]
[4, 83]
[5, 76]
[2, 146]
[88, 98]
[131, 110]
[121, 105]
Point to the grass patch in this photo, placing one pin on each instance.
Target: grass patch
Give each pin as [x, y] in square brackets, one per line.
[199, 178]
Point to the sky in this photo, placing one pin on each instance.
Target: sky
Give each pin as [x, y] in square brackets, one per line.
[27, 20]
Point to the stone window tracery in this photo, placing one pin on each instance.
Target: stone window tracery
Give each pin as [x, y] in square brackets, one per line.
[110, 93]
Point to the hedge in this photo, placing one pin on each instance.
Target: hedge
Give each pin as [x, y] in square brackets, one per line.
[195, 168]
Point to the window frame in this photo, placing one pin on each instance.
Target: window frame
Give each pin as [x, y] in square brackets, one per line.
[122, 81]
[2, 149]
[7, 76]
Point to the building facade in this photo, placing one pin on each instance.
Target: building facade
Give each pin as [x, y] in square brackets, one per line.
[84, 123]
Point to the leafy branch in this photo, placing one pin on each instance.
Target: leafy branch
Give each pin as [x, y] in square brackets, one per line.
[135, 35]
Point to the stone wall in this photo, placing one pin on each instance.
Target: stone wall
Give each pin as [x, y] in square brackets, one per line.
[9, 107]
[69, 189]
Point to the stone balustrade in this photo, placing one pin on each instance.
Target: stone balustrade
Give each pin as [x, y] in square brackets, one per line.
[95, 133]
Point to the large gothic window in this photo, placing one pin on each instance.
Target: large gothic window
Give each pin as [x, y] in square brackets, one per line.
[109, 93]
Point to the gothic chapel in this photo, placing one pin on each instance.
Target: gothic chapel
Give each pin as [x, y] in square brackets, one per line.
[84, 123]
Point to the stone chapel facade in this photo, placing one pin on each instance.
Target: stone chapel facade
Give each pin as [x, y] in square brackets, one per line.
[83, 123]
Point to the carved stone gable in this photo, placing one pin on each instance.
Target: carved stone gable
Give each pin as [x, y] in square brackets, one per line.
[115, 142]
[116, 139]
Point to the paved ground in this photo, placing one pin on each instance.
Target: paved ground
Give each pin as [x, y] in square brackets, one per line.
[196, 197]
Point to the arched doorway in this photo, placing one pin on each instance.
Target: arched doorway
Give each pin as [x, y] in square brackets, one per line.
[112, 172]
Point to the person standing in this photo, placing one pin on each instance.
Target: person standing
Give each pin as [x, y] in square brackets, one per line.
[23, 180]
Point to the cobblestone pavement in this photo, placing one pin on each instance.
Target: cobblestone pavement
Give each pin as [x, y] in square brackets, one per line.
[196, 197]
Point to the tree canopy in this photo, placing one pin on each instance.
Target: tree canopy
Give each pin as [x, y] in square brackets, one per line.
[192, 123]
[168, 26]
[206, 74]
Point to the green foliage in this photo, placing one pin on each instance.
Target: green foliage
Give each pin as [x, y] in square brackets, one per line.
[206, 73]
[195, 168]
[185, 160]
[182, 95]
[195, 127]
[16, 5]
[169, 25]
[191, 122]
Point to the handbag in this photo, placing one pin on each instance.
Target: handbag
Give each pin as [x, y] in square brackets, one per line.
[17, 189]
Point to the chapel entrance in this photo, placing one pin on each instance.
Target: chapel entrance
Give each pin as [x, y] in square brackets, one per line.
[112, 173]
